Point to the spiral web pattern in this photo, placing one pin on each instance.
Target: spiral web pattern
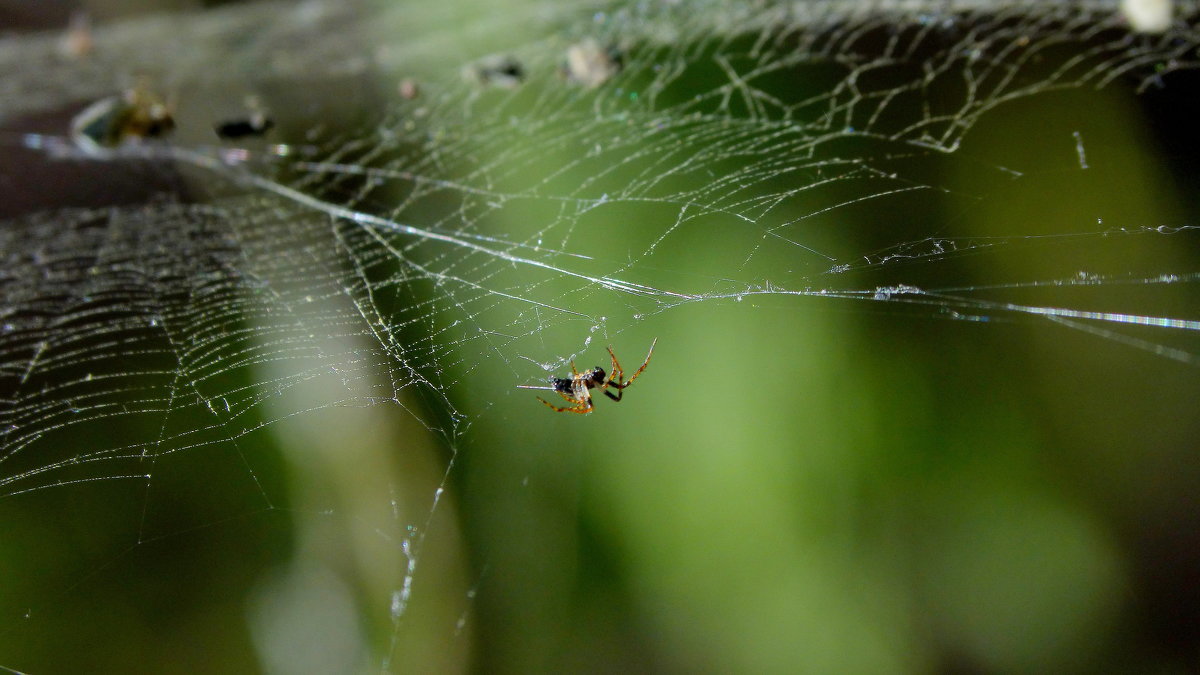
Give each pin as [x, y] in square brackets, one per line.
[385, 256]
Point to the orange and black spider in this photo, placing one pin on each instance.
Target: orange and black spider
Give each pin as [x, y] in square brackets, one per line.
[576, 388]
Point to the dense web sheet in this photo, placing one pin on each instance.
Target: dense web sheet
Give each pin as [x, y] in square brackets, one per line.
[383, 250]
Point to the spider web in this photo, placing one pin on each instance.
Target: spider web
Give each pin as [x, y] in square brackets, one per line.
[167, 306]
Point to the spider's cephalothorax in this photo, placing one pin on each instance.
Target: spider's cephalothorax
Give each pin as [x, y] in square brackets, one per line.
[589, 379]
[576, 388]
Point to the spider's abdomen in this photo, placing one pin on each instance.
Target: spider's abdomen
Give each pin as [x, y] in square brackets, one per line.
[562, 384]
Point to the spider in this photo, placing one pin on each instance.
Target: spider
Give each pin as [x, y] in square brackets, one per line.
[135, 115]
[576, 389]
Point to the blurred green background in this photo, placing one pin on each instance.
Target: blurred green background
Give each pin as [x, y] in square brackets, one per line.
[797, 483]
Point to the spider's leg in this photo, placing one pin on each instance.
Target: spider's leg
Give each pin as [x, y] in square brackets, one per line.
[620, 393]
[573, 371]
[581, 409]
[587, 401]
[617, 374]
[622, 385]
[644, 364]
